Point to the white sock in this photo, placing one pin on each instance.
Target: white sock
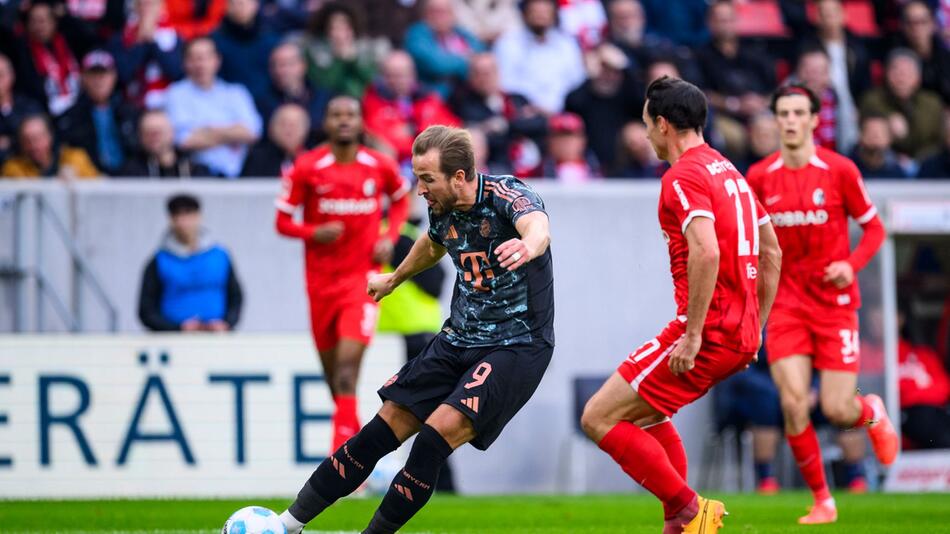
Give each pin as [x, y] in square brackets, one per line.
[830, 502]
[290, 523]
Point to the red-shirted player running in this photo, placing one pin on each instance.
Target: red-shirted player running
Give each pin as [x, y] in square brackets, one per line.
[810, 192]
[725, 261]
[341, 187]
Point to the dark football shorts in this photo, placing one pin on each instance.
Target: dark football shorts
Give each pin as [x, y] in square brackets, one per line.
[487, 384]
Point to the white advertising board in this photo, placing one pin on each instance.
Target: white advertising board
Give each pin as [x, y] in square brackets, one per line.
[919, 471]
[199, 415]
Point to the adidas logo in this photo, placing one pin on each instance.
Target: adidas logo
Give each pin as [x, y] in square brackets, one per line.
[452, 234]
[472, 403]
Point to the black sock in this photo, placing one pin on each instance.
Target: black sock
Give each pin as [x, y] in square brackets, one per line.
[413, 486]
[344, 471]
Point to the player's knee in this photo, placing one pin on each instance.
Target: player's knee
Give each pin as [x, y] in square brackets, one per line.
[795, 405]
[344, 379]
[838, 412]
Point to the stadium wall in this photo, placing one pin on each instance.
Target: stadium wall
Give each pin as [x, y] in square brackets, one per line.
[613, 292]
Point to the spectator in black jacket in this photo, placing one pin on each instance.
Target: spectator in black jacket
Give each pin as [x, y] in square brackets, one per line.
[289, 85]
[938, 166]
[14, 107]
[849, 57]
[189, 284]
[510, 123]
[919, 33]
[608, 99]
[874, 156]
[157, 156]
[100, 122]
[286, 139]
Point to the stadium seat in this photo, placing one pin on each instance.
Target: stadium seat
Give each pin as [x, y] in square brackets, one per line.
[760, 18]
[858, 14]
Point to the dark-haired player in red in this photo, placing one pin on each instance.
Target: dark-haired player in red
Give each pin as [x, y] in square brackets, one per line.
[725, 274]
[810, 193]
[341, 187]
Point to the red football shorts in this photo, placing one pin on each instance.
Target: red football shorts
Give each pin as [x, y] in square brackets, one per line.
[351, 314]
[828, 335]
[647, 370]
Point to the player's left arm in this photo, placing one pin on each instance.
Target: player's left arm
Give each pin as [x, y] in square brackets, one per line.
[859, 206]
[702, 271]
[770, 268]
[521, 205]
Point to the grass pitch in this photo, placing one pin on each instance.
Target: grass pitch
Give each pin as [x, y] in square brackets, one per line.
[629, 514]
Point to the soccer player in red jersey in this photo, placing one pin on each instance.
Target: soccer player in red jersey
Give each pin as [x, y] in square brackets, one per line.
[725, 261]
[811, 192]
[341, 187]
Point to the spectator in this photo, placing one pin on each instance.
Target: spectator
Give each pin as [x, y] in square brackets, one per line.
[157, 156]
[99, 122]
[339, 56]
[849, 59]
[919, 33]
[97, 17]
[46, 63]
[397, 109]
[764, 139]
[924, 393]
[914, 113]
[511, 126]
[289, 85]
[286, 139]
[569, 161]
[147, 54]
[441, 48]
[637, 159]
[608, 99]
[539, 60]
[873, 155]
[627, 30]
[195, 18]
[487, 19]
[189, 284]
[681, 21]
[39, 156]
[13, 107]
[585, 20]
[214, 119]
[245, 46]
[938, 165]
[738, 80]
[837, 121]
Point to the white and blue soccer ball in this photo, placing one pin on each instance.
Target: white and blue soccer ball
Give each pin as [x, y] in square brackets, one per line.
[383, 474]
[254, 520]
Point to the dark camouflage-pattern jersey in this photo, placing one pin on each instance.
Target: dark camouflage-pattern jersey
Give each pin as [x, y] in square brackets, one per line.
[491, 305]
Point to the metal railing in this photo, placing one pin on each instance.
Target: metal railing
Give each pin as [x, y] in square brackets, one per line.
[21, 272]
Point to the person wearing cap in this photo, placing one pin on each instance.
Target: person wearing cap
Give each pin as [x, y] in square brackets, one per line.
[608, 99]
[190, 284]
[914, 113]
[40, 155]
[569, 160]
[100, 122]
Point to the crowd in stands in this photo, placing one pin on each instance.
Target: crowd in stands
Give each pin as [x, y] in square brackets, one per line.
[550, 88]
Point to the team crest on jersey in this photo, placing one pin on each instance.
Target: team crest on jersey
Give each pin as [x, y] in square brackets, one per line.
[485, 228]
[521, 204]
[369, 187]
[818, 197]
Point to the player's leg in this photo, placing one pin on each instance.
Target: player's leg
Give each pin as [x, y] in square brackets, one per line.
[444, 431]
[355, 327]
[323, 330]
[608, 420]
[328, 363]
[792, 375]
[349, 466]
[853, 451]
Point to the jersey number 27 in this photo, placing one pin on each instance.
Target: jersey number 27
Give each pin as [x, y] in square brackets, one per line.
[736, 188]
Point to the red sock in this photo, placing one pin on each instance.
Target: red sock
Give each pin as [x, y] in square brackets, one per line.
[670, 440]
[867, 413]
[642, 457]
[346, 420]
[807, 454]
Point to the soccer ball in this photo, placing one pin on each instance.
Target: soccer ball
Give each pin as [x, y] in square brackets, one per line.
[253, 520]
[383, 475]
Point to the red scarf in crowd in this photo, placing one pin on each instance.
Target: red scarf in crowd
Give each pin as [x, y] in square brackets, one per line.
[827, 121]
[59, 70]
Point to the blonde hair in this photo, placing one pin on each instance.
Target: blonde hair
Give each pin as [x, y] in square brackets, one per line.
[454, 146]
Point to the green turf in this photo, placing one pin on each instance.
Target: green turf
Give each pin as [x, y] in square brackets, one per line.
[873, 514]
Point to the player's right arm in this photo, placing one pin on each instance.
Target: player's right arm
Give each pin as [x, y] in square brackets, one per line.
[702, 271]
[293, 193]
[424, 254]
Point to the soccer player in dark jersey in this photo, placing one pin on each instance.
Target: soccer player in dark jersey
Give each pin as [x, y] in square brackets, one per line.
[491, 353]
[725, 262]
[812, 192]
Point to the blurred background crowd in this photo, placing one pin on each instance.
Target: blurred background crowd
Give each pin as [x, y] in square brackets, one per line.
[549, 88]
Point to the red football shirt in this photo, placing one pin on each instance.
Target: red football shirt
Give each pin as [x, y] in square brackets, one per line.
[810, 207]
[703, 183]
[348, 192]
